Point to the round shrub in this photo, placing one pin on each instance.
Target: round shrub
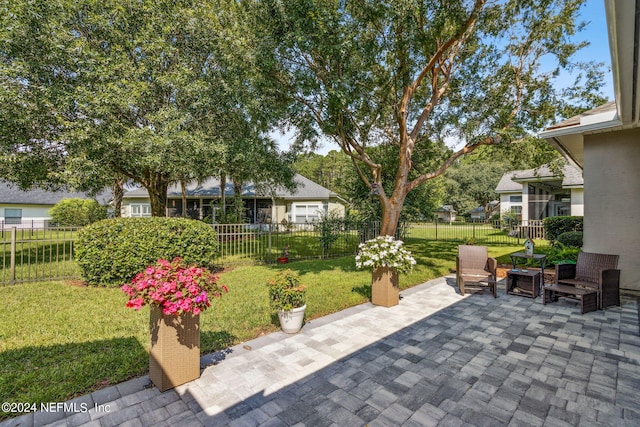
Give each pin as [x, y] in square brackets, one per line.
[556, 225]
[77, 212]
[113, 251]
[571, 238]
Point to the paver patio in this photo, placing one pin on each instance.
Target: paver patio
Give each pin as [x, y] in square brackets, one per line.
[436, 359]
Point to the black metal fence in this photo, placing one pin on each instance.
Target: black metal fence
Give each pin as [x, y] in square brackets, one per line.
[31, 254]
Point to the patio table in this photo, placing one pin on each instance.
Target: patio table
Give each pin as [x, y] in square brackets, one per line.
[541, 258]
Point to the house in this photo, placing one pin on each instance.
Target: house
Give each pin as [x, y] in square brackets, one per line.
[480, 214]
[535, 194]
[446, 213]
[308, 203]
[605, 144]
[30, 208]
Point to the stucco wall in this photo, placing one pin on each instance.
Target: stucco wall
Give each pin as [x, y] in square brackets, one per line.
[125, 210]
[612, 200]
[337, 207]
[29, 212]
[577, 201]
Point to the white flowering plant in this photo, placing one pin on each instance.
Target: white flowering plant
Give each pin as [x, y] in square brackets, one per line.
[384, 251]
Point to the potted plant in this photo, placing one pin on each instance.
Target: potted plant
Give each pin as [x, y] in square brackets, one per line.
[386, 258]
[176, 294]
[284, 257]
[287, 297]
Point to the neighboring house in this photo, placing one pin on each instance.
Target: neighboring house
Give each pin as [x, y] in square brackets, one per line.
[446, 213]
[480, 214]
[27, 209]
[308, 203]
[605, 144]
[535, 194]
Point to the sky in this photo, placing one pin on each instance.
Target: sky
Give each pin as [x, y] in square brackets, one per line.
[592, 12]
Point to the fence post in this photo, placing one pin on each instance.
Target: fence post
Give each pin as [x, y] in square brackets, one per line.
[269, 245]
[12, 268]
[436, 229]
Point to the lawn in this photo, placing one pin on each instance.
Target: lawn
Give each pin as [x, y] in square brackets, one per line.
[59, 340]
[39, 254]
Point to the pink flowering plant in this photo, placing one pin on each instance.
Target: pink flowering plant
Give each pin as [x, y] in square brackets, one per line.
[174, 287]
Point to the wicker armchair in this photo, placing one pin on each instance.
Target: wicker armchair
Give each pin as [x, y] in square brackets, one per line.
[473, 265]
[593, 271]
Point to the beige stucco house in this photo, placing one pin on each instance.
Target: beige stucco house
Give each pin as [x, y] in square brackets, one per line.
[535, 194]
[308, 203]
[605, 144]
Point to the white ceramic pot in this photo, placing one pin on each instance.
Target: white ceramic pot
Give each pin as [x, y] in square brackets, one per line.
[291, 321]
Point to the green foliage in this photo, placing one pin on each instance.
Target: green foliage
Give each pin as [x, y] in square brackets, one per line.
[154, 91]
[571, 238]
[509, 219]
[234, 213]
[113, 251]
[371, 74]
[330, 228]
[285, 291]
[554, 226]
[472, 183]
[559, 252]
[77, 212]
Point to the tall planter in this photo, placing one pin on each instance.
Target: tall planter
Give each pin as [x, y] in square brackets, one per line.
[385, 290]
[174, 358]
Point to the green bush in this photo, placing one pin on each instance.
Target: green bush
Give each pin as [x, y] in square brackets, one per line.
[113, 251]
[571, 238]
[77, 212]
[559, 252]
[555, 226]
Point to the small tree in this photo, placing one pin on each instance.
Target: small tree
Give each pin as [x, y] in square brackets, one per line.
[329, 227]
[77, 212]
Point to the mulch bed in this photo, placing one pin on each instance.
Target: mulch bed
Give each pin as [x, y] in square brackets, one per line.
[549, 274]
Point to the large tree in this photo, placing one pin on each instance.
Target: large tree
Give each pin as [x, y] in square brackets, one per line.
[419, 73]
[155, 91]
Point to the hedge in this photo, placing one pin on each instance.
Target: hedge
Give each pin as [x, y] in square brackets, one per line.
[113, 251]
[556, 225]
[571, 238]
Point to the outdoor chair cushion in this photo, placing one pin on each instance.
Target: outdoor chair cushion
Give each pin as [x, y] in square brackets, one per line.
[474, 265]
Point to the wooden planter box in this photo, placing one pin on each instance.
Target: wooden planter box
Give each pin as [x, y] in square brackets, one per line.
[174, 358]
[384, 287]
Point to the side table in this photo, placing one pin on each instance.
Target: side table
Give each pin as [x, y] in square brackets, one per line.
[541, 258]
[523, 283]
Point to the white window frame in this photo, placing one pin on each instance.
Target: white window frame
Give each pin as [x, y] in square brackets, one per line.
[140, 210]
[310, 211]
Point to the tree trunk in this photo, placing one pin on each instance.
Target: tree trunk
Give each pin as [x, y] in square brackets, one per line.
[391, 209]
[223, 196]
[183, 186]
[118, 194]
[156, 185]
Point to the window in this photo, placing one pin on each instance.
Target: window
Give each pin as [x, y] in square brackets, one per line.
[515, 199]
[140, 210]
[516, 210]
[307, 213]
[12, 216]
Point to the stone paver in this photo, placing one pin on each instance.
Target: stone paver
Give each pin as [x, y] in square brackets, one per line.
[437, 359]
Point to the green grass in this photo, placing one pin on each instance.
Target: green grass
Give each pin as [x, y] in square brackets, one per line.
[58, 341]
[40, 255]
